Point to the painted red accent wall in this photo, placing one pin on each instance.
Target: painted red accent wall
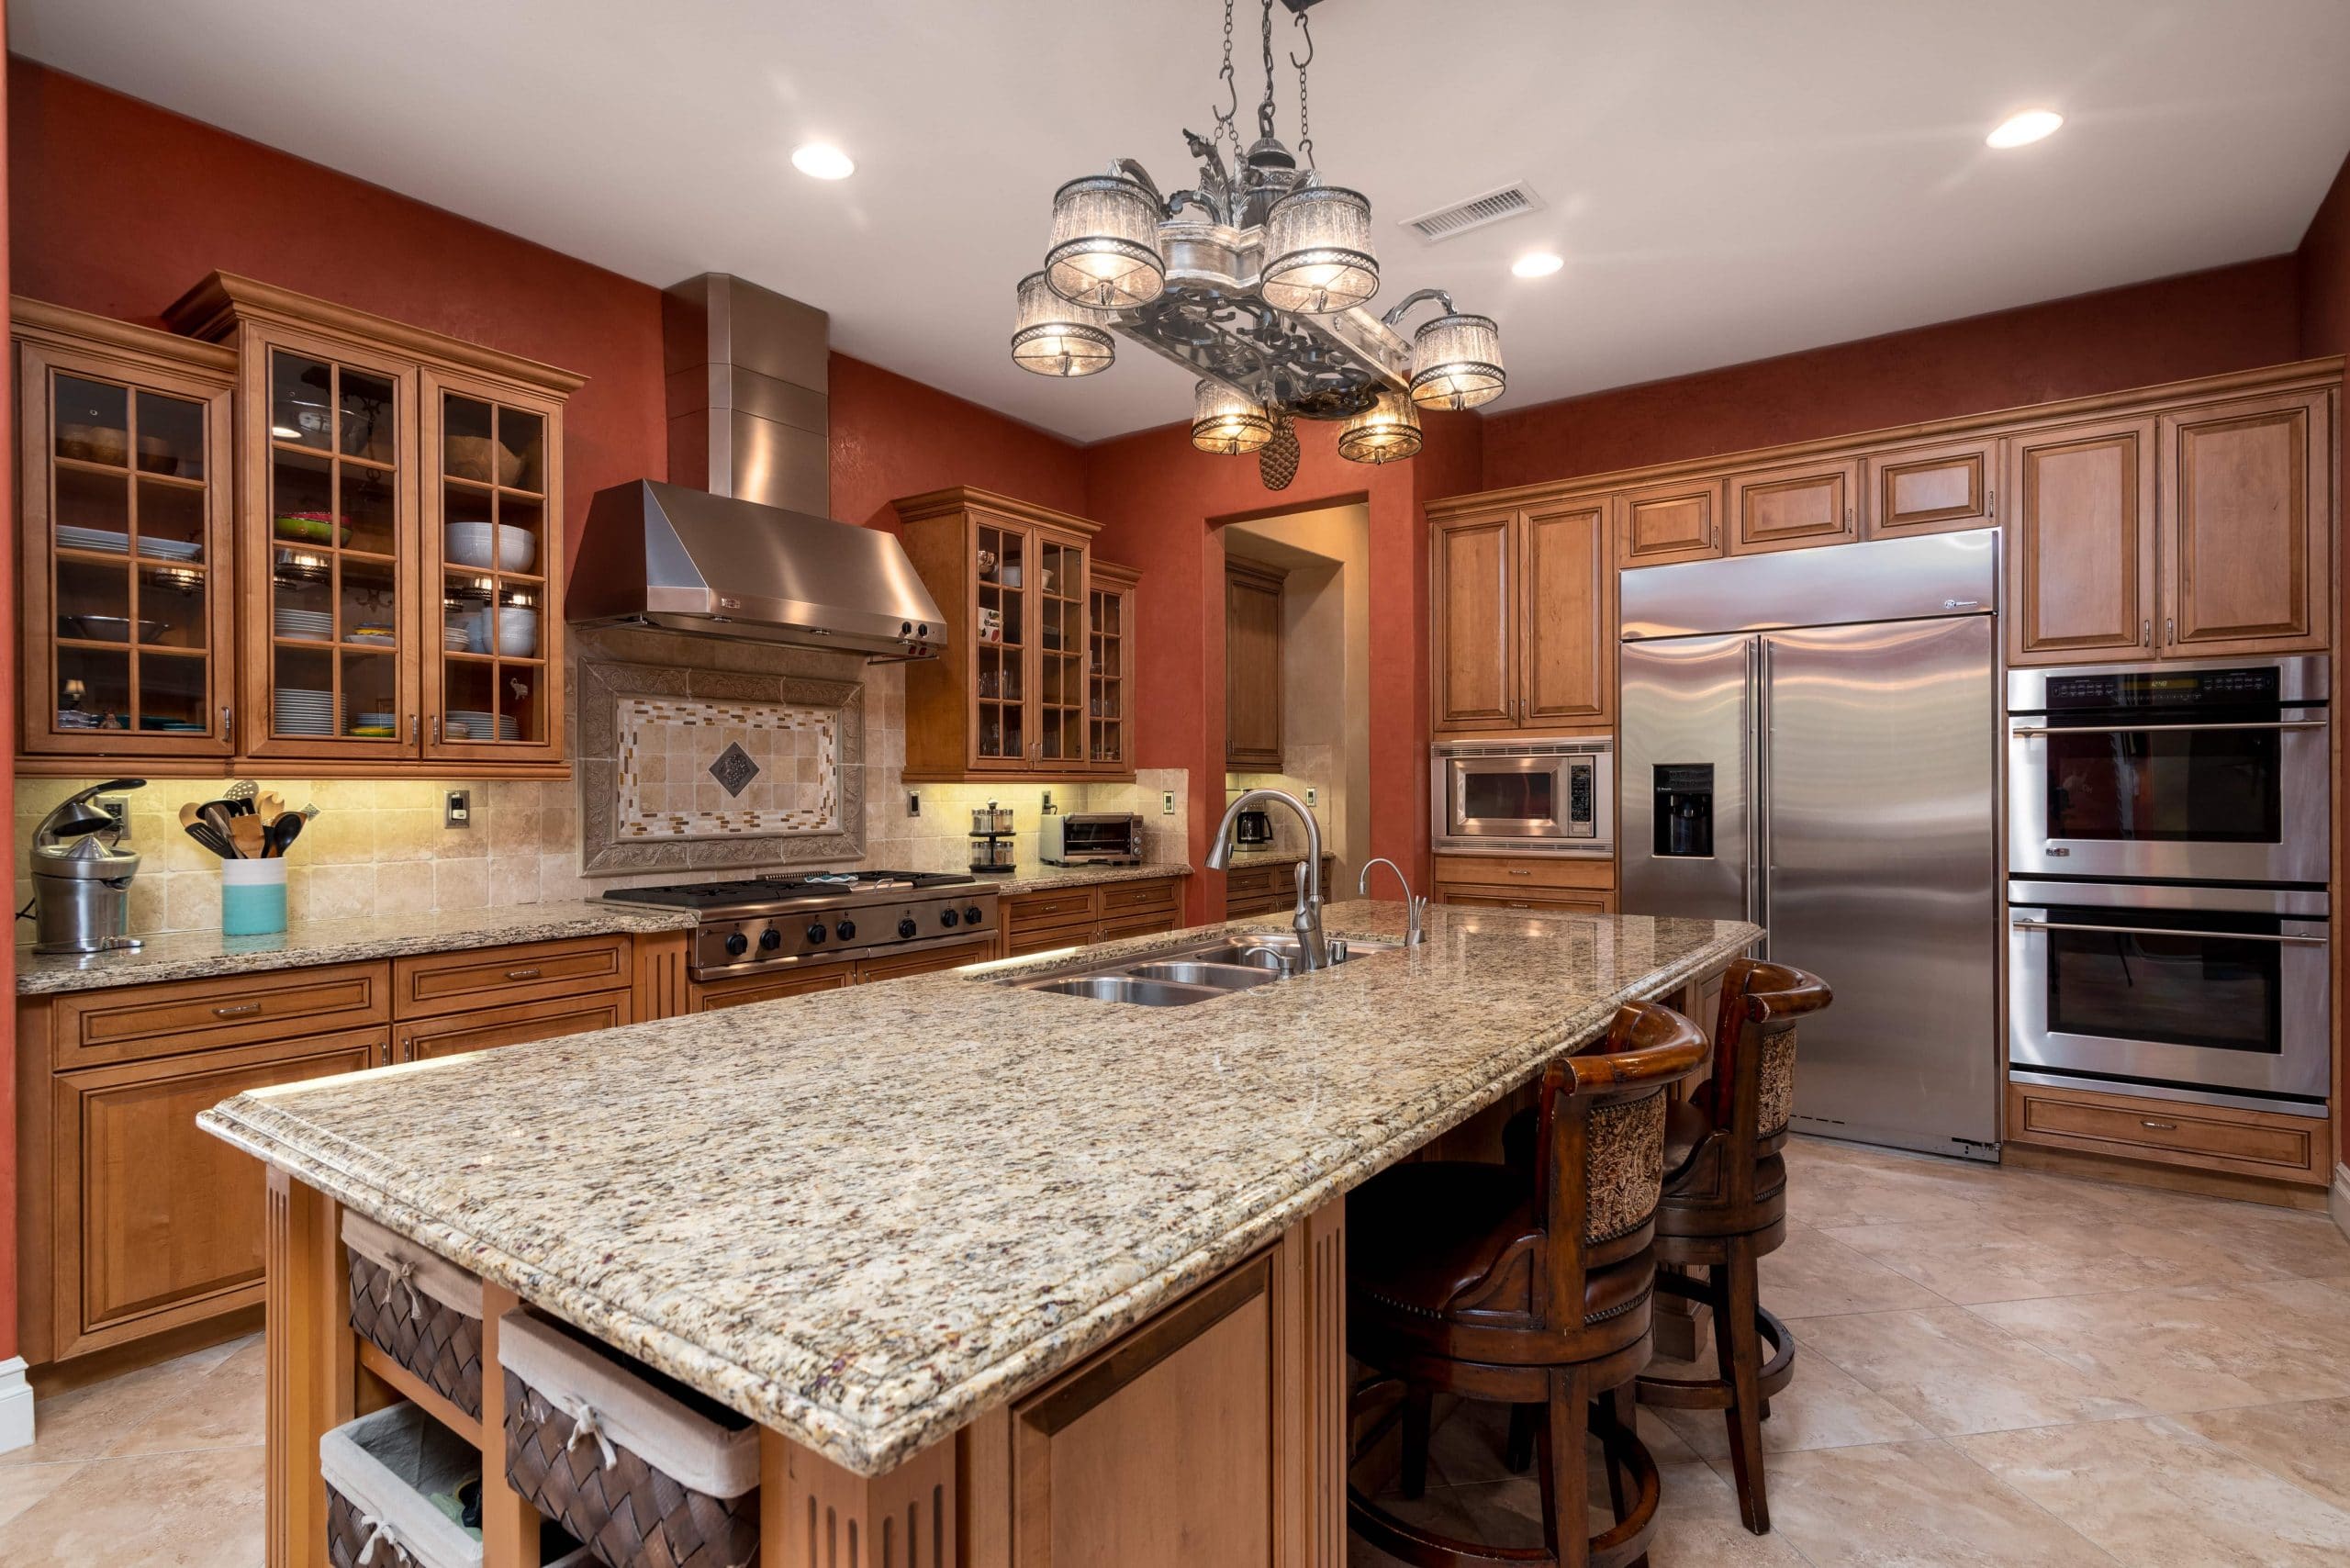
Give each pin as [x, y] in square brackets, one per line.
[2199, 324]
[7, 823]
[2324, 259]
[894, 437]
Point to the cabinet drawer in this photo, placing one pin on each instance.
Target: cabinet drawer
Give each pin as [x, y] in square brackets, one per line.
[1523, 872]
[451, 982]
[1553, 900]
[136, 1021]
[769, 987]
[2252, 1143]
[1074, 907]
[1121, 899]
[1253, 882]
[1141, 922]
[489, 1027]
[1045, 938]
[898, 966]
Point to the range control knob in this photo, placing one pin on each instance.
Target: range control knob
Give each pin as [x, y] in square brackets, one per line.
[737, 944]
[907, 927]
[816, 934]
[770, 939]
[948, 917]
[845, 930]
[972, 917]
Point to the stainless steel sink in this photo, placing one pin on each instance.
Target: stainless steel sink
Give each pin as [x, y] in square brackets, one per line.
[1218, 967]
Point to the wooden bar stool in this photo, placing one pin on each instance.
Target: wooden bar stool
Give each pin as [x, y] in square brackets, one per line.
[1725, 1205]
[1528, 1287]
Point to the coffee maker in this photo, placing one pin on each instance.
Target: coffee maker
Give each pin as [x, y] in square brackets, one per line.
[82, 877]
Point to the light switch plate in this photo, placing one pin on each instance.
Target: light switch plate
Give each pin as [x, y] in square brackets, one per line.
[1310, 793]
[913, 802]
[457, 809]
[1167, 803]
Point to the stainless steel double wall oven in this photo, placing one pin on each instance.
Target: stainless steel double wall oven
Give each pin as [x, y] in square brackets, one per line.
[2169, 841]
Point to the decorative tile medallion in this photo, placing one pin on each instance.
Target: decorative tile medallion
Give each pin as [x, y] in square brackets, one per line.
[694, 768]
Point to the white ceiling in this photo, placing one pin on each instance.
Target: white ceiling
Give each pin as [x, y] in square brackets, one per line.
[1728, 179]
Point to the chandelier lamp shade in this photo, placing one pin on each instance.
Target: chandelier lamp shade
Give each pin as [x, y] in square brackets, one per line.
[1056, 338]
[1254, 279]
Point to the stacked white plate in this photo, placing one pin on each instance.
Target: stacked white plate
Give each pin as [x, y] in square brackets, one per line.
[301, 712]
[480, 726]
[314, 625]
[113, 543]
[471, 545]
[460, 638]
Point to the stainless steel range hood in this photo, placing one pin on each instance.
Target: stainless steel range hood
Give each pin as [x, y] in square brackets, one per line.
[734, 546]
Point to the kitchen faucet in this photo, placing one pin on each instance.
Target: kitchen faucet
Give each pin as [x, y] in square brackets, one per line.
[1414, 906]
[1314, 953]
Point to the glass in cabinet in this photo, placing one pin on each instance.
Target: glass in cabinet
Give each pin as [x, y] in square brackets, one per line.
[1109, 670]
[124, 517]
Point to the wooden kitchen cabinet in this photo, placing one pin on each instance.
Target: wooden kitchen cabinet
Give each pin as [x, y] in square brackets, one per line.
[1267, 890]
[1110, 669]
[1527, 881]
[1680, 519]
[1252, 667]
[705, 996]
[486, 1028]
[1795, 506]
[125, 522]
[2246, 529]
[1937, 488]
[1012, 695]
[1074, 917]
[1522, 620]
[2080, 548]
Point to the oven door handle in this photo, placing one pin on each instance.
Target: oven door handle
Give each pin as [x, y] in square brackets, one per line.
[2034, 731]
[2160, 931]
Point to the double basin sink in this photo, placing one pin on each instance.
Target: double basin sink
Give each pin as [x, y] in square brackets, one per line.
[1218, 967]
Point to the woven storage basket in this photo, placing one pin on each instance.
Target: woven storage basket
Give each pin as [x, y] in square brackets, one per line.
[418, 1308]
[646, 1472]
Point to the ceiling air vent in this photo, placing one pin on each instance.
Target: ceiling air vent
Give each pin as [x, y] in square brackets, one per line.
[1494, 207]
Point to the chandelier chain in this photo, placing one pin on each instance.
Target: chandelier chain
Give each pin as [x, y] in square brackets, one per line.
[1304, 114]
[1226, 119]
[1265, 109]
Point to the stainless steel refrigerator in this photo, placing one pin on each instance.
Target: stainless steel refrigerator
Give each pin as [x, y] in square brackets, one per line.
[1811, 742]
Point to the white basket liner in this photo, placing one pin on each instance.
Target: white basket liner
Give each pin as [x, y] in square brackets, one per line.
[689, 1447]
[386, 1465]
[427, 1270]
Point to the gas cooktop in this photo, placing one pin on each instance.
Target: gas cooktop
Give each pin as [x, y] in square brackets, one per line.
[825, 917]
[751, 892]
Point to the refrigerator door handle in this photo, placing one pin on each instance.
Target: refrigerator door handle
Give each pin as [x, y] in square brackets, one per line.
[1758, 729]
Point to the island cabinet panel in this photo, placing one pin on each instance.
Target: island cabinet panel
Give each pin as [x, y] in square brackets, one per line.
[1789, 509]
[485, 1028]
[2247, 491]
[2081, 547]
[153, 1224]
[452, 982]
[1931, 489]
[1568, 625]
[1252, 666]
[1472, 624]
[1679, 521]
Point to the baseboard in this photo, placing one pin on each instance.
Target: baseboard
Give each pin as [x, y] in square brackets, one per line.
[16, 1405]
[2337, 1199]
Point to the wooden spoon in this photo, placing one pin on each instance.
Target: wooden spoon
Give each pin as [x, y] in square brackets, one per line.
[250, 837]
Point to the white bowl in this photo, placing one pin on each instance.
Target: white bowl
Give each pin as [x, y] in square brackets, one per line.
[518, 630]
[470, 544]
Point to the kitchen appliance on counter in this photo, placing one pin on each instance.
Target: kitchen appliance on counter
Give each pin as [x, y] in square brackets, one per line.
[1091, 838]
[1525, 796]
[82, 876]
[1811, 741]
[2200, 770]
[1252, 829]
[993, 848]
[769, 922]
[2215, 995]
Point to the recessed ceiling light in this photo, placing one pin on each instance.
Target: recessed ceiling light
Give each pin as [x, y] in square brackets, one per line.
[823, 160]
[1538, 263]
[2023, 129]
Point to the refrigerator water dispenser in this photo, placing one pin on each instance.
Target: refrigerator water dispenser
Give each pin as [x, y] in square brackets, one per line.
[1685, 809]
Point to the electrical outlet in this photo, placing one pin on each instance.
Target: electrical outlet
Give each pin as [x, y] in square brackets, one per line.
[1309, 792]
[119, 808]
[1047, 809]
[1167, 804]
[457, 810]
[913, 802]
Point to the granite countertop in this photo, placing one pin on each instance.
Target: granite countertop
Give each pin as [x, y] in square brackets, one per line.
[201, 955]
[863, 1218]
[1035, 876]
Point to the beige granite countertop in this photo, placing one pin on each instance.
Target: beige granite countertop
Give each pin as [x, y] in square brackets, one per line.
[202, 954]
[866, 1216]
[1034, 877]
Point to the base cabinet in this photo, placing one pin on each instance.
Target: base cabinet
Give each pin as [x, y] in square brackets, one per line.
[1076, 917]
[1263, 889]
[2258, 1144]
[1505, 881]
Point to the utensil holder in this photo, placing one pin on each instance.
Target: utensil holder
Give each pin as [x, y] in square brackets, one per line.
[252, 897]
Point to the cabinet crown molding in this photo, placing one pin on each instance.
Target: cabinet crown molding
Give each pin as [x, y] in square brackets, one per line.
[212, 309]
[37, 320]
[960, 498]
[2312, 374]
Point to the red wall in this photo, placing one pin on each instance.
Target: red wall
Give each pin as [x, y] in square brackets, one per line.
[2199, 324]
[893, 437]
[9, 820]
[2325, 259]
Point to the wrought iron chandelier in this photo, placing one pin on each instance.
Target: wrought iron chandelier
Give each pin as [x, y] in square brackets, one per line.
[1255, 280]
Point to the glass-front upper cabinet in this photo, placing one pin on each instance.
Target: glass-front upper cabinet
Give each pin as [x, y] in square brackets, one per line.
[1002, 556]
[1060, 653]
[124, 517]
[493, 656]
[1109, 668]
[334, 460]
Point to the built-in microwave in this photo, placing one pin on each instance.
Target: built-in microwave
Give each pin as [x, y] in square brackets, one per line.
[2185, 770]
[1525, 796]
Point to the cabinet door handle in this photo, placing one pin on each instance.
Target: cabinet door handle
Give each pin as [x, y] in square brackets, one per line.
[530, 973]
[2170, 630]
[1990, 503]
[2146, 633]
[1519, 870]
[228, 724]
[1848, 517]
[238, 1011]
[2158, 1127]
[415, 722]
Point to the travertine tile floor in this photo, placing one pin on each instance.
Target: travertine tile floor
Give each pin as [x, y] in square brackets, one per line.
[1997, 1368]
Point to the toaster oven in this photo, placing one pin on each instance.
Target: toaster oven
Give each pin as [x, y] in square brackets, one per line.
[1091, 838]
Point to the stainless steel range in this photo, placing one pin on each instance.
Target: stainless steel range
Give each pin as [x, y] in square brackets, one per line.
[771, 922]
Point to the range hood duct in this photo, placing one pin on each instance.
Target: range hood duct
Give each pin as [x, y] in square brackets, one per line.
[736, 544]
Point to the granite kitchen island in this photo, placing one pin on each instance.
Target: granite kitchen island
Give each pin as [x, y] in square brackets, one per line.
[945, 1239]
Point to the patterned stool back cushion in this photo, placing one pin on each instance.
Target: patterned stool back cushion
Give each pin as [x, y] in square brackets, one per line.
[1776, 1079]
[1625, 1166]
